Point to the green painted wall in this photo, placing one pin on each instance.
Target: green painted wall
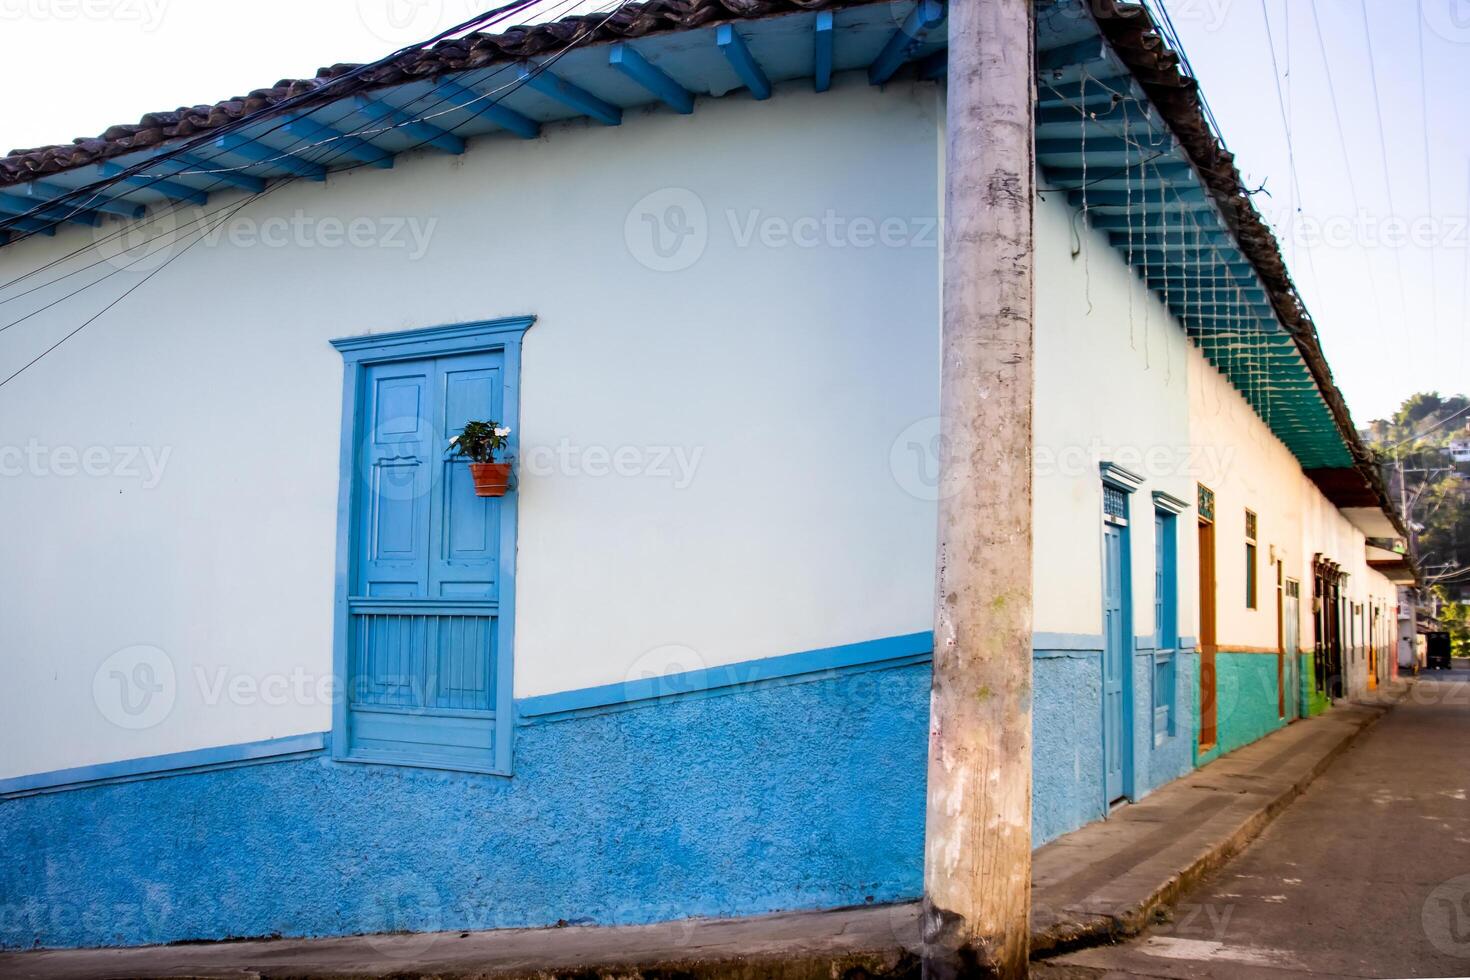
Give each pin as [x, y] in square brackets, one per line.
[1316, 701]
[1247, 702]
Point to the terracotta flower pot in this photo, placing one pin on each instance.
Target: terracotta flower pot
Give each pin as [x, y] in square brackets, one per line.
[491, 479]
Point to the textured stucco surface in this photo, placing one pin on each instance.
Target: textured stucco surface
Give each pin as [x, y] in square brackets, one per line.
[1173, 757]
[797, 796]
[794, 796]
[1066, 778]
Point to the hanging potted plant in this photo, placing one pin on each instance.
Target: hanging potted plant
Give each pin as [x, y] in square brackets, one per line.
[478, 442]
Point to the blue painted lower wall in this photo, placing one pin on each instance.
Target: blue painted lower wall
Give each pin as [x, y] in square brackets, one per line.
[1067, 731]
[800, 794]
[795, 796]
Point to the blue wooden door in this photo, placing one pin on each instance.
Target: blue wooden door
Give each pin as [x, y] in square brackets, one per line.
[423, 603]
[1116, 632]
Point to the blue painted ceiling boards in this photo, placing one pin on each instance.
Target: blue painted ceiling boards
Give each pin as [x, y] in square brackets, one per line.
[1121, 132]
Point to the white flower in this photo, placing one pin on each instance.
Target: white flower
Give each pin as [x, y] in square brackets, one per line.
[502, 433]
[454, 440]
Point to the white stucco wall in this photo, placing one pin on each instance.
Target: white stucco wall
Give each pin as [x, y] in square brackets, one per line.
[727, 452]
[780, 372]
[1111, 385]
[1295, 522]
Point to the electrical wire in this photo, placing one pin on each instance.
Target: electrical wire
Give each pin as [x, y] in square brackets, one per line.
[1383, 154]
[1428, 183]
[543, 66]
[1347, 158]
[127, 228]
[283, 107]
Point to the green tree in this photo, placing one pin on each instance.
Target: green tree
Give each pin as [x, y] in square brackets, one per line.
[1431, 488]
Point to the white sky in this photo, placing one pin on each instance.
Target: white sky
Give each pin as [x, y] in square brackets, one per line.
[1392, 318]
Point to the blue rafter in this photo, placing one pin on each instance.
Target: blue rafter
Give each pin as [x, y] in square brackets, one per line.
[41, 191]
[822, 48]
[387, 115]
[210, 170]
[732, 44]
[259, 153]
[575, 97]
[170, 189]
[28, 225]
[627, 60]
[925, 15]
[13, 205]
[329, 139]
[476, 104]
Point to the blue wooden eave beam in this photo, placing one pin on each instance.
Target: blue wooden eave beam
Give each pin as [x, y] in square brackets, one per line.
[540, 79]
[1152, 222]
[1087, 93]
[42, 191]
[925, 15]
[171, 189]
[632, 64]
[332, 141]
[11, 204]
[1109, 119]
[822, 49]
[395, 118]
[1082, 52]
[486, 106]
[258, 153]
[729, 41]
[28, 225]
[1136, 174]
[1074, 146]
[212, 170]
[1186, 241]
[1175, 198]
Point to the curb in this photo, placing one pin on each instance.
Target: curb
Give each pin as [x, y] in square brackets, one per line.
[1100, 930]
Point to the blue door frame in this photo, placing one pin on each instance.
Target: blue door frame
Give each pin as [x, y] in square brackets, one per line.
[1117, 619]
[449, 598]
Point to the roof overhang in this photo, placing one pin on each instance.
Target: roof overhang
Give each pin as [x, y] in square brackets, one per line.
[1121, 134]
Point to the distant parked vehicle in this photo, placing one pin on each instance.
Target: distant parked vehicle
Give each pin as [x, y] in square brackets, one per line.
[1437, 656]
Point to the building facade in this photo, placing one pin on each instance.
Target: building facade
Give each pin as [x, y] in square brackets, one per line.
[318, 687]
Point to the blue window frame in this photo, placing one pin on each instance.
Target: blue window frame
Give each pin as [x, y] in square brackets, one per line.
[425, 591]
[1166, 614]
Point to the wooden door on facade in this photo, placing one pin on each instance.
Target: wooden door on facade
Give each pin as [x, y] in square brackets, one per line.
[1291, 628]
[1208, 721]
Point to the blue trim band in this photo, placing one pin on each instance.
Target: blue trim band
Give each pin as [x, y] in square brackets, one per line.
[172, 764]
[893, 651]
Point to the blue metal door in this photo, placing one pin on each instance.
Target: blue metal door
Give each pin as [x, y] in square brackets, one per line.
[1117, 746]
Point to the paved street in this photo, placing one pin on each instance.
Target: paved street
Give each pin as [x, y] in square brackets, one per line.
[1366, 875]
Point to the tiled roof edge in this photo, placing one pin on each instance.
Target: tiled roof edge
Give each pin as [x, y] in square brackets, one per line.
[476, 50]
[1131, 31]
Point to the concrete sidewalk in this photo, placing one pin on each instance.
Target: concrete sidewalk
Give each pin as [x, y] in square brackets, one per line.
[1095, 885]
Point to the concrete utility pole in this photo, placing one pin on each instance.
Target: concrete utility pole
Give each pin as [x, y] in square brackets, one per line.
[977, 849]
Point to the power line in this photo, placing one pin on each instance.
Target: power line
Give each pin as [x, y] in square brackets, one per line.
[1296, 187]
[270, 111]
[1436, 426]
[1347, 158]
[1428, 182]
[544, 66]
[1387, 177]
[320, 159]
